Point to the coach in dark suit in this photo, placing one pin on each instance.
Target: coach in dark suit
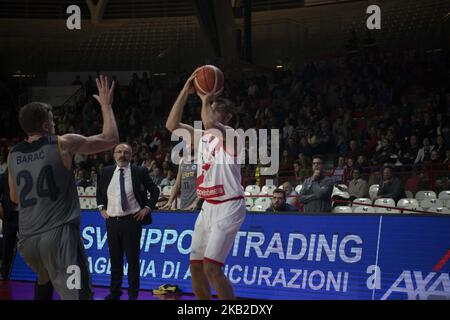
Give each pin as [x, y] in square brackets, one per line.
[123, 202]
[10, 217]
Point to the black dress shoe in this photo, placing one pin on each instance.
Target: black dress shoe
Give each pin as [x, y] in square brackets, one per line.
[112, 297]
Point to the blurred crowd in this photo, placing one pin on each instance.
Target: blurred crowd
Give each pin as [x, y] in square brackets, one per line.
[364, 110]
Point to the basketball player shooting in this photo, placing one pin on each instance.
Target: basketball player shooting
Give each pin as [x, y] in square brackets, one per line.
[219, 184]
[42, 183]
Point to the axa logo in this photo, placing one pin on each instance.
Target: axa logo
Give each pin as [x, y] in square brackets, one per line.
[418, 286]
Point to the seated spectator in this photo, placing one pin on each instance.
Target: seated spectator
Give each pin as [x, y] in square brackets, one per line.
[349, 166]
[292, 147]
[93, 177]
[372, 141]
[160, 154]
[390, 187]
[355, 150]
[299, 175]
[375, 177]
[82, 179]
[316, 191]
[410, 152]
[417, 181]
[169, 179]
[447, 159]
[286, 162]
[424, 153]
[279, 203]
[341, 146]
[305, 148]
[339, 171]
[291, 194]
[358, 187]
[440, 147]
[362, 164]
[156, 175]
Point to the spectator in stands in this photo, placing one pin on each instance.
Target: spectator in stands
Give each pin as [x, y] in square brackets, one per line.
[411, 151]
[403, 129]
[316, 190]
[390, 187]
[349, 166]
[298, 177]
[355, 151]
[342, 148]
[323, 138]
[93, 177]
[417, 181]
[447, 159]
[440, 147]
[160, 153]
[292, 148]
[362, 163]
[279, 203]
[375, 177]
[305, 148]
[156, 175]
[169, 179]
[372, 141]
[291, 194]
[312, 139]
[82, 179]
[358, 187]
[339, 171]
[424, 153]
[286, 161]
[339, 129]
[288, 129]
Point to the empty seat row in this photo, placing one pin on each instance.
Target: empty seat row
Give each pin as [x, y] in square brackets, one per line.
[254, 189]
[368, 209]
[403, 203]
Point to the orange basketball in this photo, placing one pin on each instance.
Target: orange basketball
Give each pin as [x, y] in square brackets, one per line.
[209, 79]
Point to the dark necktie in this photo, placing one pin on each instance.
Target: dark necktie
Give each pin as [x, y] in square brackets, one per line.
[123, 197]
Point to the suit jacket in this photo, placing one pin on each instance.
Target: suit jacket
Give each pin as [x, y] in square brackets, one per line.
[316, 195]
[142, 183]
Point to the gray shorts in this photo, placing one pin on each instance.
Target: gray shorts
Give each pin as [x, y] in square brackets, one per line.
[58, 255]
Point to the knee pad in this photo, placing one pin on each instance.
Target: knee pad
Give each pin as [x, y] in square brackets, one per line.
[43, 291]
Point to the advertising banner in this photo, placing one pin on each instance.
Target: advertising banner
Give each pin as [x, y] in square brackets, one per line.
[286, 256]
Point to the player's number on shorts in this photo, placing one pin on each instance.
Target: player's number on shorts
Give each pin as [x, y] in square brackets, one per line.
[45, 187]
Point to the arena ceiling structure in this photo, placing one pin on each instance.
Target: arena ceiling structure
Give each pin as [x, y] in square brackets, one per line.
[166, 35]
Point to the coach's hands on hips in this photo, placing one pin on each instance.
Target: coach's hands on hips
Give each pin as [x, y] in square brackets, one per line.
[105, 93]
[141, 214]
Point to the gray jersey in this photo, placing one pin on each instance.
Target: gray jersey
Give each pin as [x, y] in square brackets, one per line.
[45, 188]
[188, 187]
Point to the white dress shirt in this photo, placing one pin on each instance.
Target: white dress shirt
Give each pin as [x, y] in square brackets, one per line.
[113, 193]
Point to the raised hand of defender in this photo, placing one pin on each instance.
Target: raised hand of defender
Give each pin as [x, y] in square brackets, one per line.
[105, 92]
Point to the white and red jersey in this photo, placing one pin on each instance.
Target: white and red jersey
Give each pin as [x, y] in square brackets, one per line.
[218, 171]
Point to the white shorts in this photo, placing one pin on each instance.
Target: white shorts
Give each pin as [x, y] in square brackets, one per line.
[215, 230]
